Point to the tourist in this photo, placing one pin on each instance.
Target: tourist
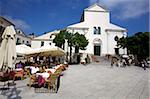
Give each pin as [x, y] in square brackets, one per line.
[19, 65]
[124, 63]
[143, 64]
[34, 69]
[112, 63]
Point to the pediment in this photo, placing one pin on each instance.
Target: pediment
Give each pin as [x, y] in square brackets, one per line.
[96, 7]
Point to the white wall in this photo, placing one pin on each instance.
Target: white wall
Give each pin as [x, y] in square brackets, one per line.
[112, 43]
[96, 18]
[37, 43]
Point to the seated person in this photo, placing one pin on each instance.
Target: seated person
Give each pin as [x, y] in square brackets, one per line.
[20, 65]
[34, 69]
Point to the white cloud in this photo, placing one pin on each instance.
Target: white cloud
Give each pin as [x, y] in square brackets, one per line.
[126, 9]
[18, 23]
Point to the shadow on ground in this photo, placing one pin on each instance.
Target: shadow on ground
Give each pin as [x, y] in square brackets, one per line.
[11, 93]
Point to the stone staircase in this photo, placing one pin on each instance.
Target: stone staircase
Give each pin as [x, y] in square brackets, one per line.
[100, 60]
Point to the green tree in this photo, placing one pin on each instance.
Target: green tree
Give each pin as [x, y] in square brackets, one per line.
[79, 42]
[74, 40]
[138, 45]
[59, 40]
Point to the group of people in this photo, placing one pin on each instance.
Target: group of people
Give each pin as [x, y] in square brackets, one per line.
[121, 61]
[41, 74]
[127, 61]
[36, 68]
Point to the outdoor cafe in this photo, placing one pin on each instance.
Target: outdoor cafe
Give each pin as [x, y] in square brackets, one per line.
[41, 73]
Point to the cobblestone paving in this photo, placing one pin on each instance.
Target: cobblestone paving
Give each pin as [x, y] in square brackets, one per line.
[93, 81]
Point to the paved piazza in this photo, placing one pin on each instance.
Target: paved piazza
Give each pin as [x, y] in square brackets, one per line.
[93, 81]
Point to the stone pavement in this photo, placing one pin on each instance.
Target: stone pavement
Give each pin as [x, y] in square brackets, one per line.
[93, 81]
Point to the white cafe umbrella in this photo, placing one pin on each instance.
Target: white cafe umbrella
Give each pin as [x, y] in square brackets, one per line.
[47, 50]
[23, 49]
[8, 48]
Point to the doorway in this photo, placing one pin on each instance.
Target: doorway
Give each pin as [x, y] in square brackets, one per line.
[117, 51]
[97, 50]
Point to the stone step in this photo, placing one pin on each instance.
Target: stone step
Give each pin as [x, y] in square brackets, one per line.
[100, 59]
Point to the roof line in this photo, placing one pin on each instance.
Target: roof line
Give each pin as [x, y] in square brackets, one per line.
[46, 33]
[117, 25]
[7, 20]
[97, 5]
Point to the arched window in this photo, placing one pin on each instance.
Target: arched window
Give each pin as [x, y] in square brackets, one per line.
[95, 30]
[99, 30]
[42, 43]
[116, 38]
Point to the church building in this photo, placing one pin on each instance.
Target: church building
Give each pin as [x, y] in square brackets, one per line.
[96, 25]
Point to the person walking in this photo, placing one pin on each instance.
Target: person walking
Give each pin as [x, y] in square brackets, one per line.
[124, 62]
[143, 64]
[112, 62]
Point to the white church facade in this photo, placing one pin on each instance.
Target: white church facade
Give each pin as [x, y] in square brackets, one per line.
[96, 25]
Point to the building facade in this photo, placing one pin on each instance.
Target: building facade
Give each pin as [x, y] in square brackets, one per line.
[43, 40]
[3, 24]
[96, 25]
[21, 38]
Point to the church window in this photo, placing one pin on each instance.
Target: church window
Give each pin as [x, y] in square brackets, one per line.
[95, 30]
[116, 38]
[99, 30]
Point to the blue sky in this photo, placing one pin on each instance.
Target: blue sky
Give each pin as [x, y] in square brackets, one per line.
[39, 16]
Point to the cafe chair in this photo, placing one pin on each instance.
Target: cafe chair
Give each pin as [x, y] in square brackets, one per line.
[52, 82]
